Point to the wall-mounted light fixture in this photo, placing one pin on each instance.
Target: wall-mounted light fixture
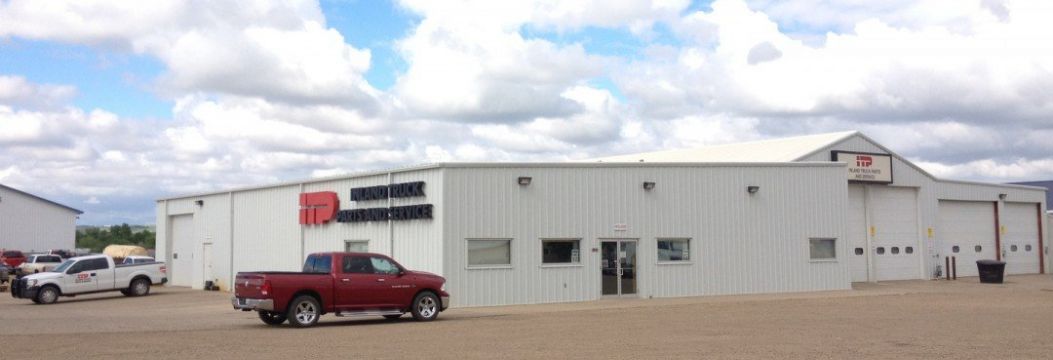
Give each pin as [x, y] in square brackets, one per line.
[524, 180]
[199, 202]
[648, 185]
[752, 189]
[1002, 196]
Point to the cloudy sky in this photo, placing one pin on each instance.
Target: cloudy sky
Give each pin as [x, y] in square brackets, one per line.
[106, 106]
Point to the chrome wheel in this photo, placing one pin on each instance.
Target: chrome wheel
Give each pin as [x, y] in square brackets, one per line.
[48, 295]
[426, 306]
[141, 287]
[306, 312]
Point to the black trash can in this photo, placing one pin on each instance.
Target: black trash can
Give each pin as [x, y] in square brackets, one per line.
[991, 271]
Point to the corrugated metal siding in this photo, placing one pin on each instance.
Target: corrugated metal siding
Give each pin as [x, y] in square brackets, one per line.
[740, 243]
[930, 191]
[267, 230]
[31, 225]
[417, 243]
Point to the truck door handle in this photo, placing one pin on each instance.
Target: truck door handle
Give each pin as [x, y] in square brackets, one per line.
[345, 280]
[380, 280]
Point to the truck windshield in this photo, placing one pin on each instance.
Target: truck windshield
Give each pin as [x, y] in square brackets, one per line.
[318, 264]
[65, 265]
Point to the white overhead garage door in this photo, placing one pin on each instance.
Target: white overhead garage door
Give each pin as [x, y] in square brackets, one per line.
[1020, 240]
[857, 232]
[966, 230]
[894, 217]
[181, 260]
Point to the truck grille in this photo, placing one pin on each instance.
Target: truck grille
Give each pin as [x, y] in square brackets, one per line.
[17, 287]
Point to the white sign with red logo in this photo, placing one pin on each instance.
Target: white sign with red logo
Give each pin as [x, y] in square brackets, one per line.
[866, 167]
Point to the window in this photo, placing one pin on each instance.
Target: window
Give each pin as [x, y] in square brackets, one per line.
[561, 251]
[895, 250]
[489, 252]
[880, 251]
[96, 264]
[356, 245]
[383, 266]
[822, 249]
[909, 249]
[978, 248]
[318, 264]
[1012, 248]
[674, 250]
[1027, 247]
[357, 265]
[859, 251]
[955, 248]
[51, 259]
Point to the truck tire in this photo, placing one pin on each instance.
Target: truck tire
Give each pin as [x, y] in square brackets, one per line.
[303, 311]
[425, 306]
[272, 318]
[139, 287]
[47, 295]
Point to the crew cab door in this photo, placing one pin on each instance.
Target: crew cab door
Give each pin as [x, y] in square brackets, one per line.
[391, 288]
[354, 283]
[106, 275]
[81, 277]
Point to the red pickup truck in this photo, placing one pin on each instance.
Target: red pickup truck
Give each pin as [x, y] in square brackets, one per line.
[346, 284]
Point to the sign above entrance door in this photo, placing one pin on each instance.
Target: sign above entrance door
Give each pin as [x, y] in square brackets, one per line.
[866, 167]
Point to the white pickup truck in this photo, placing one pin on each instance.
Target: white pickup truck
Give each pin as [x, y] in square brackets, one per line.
[39, 263]
[89, 274]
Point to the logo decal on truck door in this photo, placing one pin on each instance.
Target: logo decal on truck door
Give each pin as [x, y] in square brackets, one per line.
[83, 278]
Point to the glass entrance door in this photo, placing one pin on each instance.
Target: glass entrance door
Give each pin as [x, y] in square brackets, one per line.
[618, 267]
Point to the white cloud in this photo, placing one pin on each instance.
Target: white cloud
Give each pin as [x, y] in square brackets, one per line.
[267, 91]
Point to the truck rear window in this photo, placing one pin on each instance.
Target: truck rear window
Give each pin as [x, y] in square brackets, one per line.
[318, 264]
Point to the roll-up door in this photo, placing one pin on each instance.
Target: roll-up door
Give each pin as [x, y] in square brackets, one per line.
[181, 260]
[857, 232]
[894, 218]
[966, 230]
[1020, 240]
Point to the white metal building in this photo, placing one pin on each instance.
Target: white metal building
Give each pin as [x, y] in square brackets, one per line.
[33, 224]
[773, 216]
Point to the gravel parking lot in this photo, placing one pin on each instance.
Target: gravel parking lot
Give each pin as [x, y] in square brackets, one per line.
[911, 319]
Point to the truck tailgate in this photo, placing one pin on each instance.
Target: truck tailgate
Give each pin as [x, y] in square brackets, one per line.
[250, 285]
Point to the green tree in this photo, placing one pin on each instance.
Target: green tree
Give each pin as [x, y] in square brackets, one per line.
[97, 238]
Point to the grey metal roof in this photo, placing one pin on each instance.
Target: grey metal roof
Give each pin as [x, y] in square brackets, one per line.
[41, 199]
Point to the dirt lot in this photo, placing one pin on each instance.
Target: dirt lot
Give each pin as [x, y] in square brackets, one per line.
[913, 319]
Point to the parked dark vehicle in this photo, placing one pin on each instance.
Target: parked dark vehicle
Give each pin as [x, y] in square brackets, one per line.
[12, 258]
[346, 284]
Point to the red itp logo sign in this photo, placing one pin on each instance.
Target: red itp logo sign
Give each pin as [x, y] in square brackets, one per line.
[318, 208]
[864, 161]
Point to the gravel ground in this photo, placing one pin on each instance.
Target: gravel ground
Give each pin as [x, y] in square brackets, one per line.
[910, 319]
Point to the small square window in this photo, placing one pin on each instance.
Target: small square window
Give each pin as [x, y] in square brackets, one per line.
[859, 251]
[955, 249]
[489, 252]
[880, 250]
[1027, 247]
[670, 250]
[561, 251]
[356, 245]
[895, 250]
[1012, 248]
[978, 248]
[909, 249]
[822, 248]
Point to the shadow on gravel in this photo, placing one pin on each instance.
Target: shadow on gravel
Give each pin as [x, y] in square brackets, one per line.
[93, 297]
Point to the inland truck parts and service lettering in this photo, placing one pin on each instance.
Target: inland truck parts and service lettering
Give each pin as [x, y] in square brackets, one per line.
[410, 189]
[411, 212]
[318, 208]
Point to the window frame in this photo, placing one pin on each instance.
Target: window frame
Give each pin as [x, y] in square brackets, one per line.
[355, 241]
[561, 264]
[833, 240]
[690, 252]
[467, 254]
